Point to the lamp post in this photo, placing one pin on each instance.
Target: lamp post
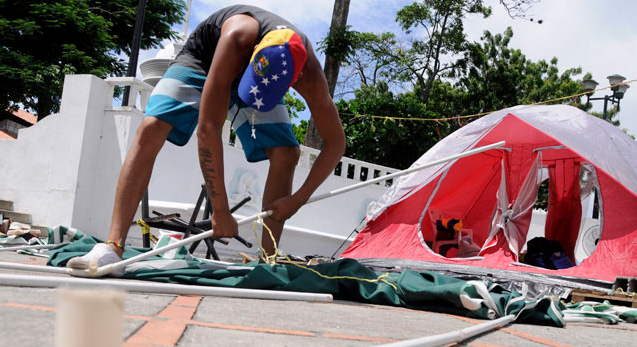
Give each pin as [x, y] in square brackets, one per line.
[137, 39]
[616, 85]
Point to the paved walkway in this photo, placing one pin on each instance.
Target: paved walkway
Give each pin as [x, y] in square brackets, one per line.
[28, 315]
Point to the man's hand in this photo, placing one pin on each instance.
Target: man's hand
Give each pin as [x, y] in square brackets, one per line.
[284, 208]
[224, 225]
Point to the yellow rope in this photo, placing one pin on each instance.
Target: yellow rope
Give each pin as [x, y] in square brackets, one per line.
[481, 113]
[271, 259]
[380, 278]
[620, 290]
[268, 259]
[146, 229]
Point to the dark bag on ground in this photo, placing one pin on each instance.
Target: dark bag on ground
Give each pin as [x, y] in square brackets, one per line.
[546, 253]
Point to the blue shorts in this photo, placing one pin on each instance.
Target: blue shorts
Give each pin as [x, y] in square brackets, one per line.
[176, 100]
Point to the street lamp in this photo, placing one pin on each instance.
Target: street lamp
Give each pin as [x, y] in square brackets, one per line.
[616, 85]
[134, 54]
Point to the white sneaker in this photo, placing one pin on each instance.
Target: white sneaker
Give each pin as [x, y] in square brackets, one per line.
[101, 255]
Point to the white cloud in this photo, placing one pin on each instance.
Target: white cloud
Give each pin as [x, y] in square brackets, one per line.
[598, 36]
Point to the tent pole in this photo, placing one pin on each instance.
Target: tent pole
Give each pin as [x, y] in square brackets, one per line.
[106, 269]
[159, 288]
[406, 171]
[32, 247]
[101, 271]
[455, 336]
[31, 267]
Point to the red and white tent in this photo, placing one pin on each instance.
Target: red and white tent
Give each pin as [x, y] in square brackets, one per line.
[583, 157]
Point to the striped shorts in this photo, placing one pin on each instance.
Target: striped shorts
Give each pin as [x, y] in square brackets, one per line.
[176, 100]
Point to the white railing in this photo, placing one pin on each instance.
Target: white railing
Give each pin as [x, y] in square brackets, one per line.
[348, 168]
[138, 94]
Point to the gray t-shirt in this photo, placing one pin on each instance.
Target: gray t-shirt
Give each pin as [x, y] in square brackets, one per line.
[200, 47]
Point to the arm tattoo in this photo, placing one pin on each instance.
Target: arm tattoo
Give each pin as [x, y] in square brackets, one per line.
[208, 170]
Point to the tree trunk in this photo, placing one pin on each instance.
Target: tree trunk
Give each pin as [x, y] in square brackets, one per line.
[331, 68]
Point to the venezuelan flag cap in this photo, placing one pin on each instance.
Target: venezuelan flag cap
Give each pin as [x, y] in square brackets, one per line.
[275, 65]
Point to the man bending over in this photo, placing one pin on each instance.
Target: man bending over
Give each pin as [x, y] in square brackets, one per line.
[237, 64]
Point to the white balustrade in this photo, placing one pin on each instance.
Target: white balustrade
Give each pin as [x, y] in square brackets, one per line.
[349, 168]
[138, 90]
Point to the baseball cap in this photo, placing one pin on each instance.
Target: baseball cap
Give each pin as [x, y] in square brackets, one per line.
[275, 65]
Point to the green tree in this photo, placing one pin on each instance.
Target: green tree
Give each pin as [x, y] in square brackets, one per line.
[441, 22]
[372, 60]
[160, 16]
[394, 128]
[295, 105]
[385, 73]
[496, 76]
[439, 33]
[43, 40]
[372, 136]
[336, 47]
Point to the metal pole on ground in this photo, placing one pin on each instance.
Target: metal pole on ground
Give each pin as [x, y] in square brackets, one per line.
[455, 336]
[159, 288]
[32, 247]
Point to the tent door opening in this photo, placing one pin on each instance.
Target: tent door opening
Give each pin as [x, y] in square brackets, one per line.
[574, 218]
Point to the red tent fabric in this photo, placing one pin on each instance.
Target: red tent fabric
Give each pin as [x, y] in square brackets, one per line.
[493, 194]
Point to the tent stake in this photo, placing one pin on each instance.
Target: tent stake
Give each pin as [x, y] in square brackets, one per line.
[455, 336]
[159, 288]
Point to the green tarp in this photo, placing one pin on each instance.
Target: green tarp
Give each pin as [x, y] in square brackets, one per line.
[346, 279]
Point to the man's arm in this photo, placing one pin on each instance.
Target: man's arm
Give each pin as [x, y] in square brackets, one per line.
[312, 85]
[233, 50]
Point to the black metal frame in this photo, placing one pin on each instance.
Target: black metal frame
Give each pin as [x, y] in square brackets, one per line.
[173, 222]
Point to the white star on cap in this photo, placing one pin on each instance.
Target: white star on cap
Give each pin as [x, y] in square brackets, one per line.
[254, 90]
[275, 77]
[282, 55]
[258, 103]
[284, 63]
[265, 81]
[284, 72]
[281, 47]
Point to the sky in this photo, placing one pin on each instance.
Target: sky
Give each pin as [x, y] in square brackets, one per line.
[600, 36]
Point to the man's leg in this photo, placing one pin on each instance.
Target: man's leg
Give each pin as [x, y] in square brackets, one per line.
[283, 161]
[135, 175]
[131, 186]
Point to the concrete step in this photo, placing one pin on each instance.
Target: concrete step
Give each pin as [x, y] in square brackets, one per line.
[6, 205]
[16, 216]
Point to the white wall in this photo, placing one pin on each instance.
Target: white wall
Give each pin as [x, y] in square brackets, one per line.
[64, 169]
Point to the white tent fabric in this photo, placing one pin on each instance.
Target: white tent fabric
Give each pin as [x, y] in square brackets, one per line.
[610, 151]
[507, 215]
